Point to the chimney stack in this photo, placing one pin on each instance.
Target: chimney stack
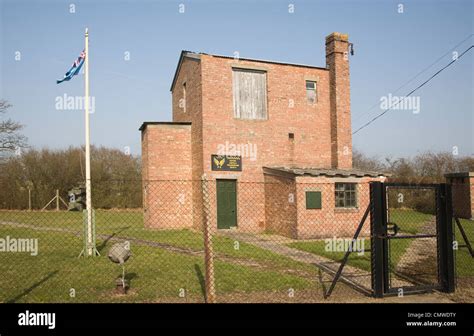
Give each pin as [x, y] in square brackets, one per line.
[337, 61]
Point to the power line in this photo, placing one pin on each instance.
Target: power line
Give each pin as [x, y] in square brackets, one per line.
[416, 76]
[418, 87]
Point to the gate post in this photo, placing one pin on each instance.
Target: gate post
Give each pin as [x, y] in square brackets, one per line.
[445, 238]
[377, 214]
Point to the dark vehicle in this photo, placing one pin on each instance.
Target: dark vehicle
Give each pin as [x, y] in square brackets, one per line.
[77, 198]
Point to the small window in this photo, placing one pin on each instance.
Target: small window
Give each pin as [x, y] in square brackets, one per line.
[311, 96]
[346, 195]
[313, 200]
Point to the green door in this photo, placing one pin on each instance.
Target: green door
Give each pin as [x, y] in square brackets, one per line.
[226, 204]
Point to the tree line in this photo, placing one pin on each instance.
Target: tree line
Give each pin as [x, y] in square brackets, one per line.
[30, 177]
[35, 175]
[427, 167]
[423, 168]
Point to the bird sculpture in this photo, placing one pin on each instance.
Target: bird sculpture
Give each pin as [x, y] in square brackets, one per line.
[119, 253]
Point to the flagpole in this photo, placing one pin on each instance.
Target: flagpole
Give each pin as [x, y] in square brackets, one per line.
[90, 247]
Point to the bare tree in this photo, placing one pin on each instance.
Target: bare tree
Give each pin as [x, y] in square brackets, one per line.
[364, 162]
[116, 177]
[10, 136]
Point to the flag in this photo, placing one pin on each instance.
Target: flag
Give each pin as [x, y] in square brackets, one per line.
[75, 68]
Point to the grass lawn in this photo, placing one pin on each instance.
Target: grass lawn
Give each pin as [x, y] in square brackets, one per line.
[409, 222]
[361, 261]
[155, 273]
[161, 273]
[464, 261]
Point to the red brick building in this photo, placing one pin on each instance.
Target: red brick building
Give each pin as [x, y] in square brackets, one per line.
[462, 190]
[272, 139]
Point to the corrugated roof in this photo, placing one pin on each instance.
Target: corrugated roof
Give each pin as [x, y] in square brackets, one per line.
[327, 172]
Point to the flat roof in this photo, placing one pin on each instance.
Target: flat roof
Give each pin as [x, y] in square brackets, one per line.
[197, 56]
[328, 172]
[460, 174]
[146, 123]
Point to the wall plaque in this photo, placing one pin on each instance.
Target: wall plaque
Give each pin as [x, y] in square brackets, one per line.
[226, 162]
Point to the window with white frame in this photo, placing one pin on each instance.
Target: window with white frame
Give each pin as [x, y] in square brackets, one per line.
[311, 94]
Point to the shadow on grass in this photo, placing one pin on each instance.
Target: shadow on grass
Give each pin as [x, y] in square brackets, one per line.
[30, 289]
[106, 240]
[202, 282]
[129, 277]
[321, 282]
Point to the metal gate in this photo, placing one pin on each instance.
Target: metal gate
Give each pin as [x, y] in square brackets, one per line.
[412, 238]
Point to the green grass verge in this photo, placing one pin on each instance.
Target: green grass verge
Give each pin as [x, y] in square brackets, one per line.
[356, 259]
[155, 273]
[464, 261]
[410, 222]
[129, 224]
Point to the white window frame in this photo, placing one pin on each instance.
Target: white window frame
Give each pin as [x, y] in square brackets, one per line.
[345, 194]
[315, 90]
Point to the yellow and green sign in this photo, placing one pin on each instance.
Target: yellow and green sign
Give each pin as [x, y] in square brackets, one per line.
[226, 163]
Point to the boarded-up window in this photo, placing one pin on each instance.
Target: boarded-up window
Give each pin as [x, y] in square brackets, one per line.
[250, 94]
[313, 200]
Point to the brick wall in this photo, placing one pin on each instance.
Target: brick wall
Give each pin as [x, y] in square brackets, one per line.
[288, 112]
[330, 221]
[190, 109]
[166, 156]
[462, 189]
[471, 185]
[251, 207]
[293, 220]
[280, 205]
[337, 60]
[285, 86]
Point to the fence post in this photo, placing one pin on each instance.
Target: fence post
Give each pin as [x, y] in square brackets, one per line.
[445, 238]
[377, 242]
[29, 199]
[208, 248]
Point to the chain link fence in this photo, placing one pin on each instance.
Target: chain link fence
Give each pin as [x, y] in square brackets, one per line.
[463, 222]
[412, 236]
[197, 241]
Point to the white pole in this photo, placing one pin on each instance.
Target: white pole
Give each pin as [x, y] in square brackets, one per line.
[88, 150]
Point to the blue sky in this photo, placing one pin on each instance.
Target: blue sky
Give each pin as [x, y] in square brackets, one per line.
[390, 48]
